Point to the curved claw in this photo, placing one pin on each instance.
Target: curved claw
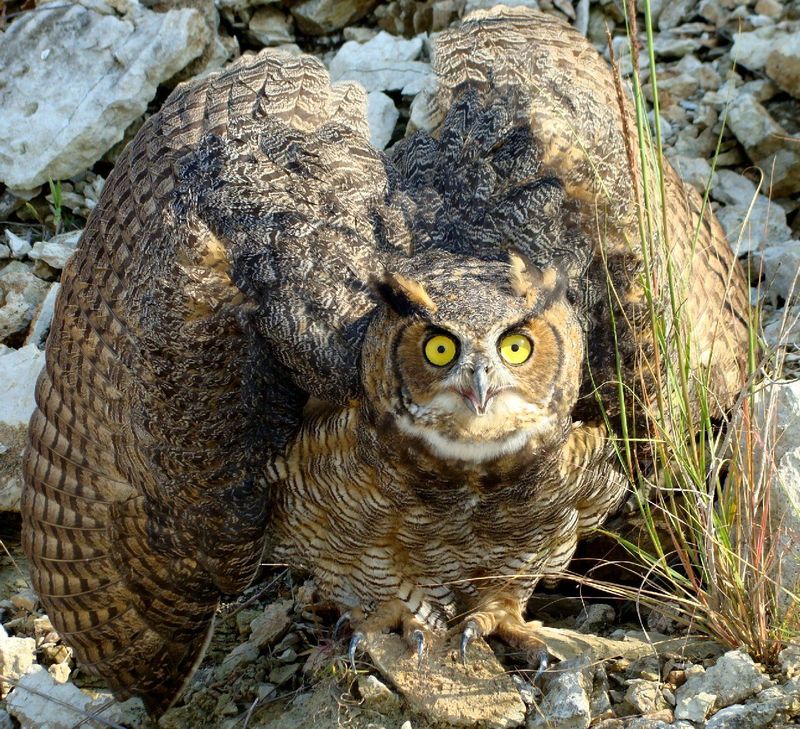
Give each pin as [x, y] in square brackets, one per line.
[355, 641]
[343, 618]
[471, 631]
[419, 639]
[544, 663]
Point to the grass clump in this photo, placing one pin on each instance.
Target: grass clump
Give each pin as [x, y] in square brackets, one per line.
[711, 552]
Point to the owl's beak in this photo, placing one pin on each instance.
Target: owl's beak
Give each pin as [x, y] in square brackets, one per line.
[479, 394]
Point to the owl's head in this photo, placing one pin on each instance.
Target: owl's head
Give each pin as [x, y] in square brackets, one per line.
[474, 358]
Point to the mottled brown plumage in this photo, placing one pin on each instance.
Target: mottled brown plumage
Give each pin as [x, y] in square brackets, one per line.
[243, 349]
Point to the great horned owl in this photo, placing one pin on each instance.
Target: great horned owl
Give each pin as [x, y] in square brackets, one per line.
[383, 365]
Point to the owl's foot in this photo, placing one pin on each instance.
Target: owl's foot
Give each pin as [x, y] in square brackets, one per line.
[503, 618]
[389, 616]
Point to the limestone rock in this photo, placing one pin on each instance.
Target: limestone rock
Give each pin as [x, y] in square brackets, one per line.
[56, 251]
[781, 263]
[751, 49]
[732, 188]
[271, 624]
[384, 63]
[783, 63]
[16, 658]
[447, 692]
[377, 695]
[39, 701]
[318, 17]
[20, 294]
[382, 116]
[43, 318]
[752, 229]
[732, 679]
[18, 247]
[566, 703]
[694, 170]
[765, 142]
[109, 67]
[271, 27]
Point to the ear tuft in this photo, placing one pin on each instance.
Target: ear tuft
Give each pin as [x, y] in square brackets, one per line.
[404, 295]
[528, 280]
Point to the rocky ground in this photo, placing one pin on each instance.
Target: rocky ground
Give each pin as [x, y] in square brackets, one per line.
[79, 78]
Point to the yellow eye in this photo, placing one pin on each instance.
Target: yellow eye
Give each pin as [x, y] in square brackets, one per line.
[515, 348]
[441, 350]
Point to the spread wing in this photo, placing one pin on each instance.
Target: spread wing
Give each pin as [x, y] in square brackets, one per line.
[585, 132]
[169, 380]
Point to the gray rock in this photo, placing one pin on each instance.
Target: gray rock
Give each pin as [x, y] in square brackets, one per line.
[318, 17]
[382, 115]
[783, 63]
[781, 263]
[384, 63]
[43, 318]
[789, 659]
[20, 294]
[271, 624]
[566, 703]
[16, 658]
[778, 407]
[6, 722]
[56, 251]
[674, 13]
[594, 617]
[108, 69]
[732, 679]
[753, 229]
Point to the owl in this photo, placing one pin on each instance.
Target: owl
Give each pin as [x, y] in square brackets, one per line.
[394, 371]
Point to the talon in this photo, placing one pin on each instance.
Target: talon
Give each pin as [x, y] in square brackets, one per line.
[544, 663]
[419, 639]
[355, 641]
[343, 618]
[467, 636]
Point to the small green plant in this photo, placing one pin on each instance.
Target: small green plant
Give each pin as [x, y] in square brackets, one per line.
[709, 552]
[55, 206]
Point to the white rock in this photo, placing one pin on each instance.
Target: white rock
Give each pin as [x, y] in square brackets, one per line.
[789, 659]
[645, 696]
[384, 63]
[674, 13]
[20, 294]
[758, 713]
[783, 63]
[751, 123]
[382, 116]
[732, 679]
[107, 69]
[765, 142]
[765, 225]
[56, 251]
[6, 722]
[732, 188]
[778, 406]
[19, 247]
[751, 49]
[18, 372]
[488, 4]
[377, 695]
[43, 318]
[694, 170]
[695, 708]
[16, 658]
[39, 701]
[566, 704]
